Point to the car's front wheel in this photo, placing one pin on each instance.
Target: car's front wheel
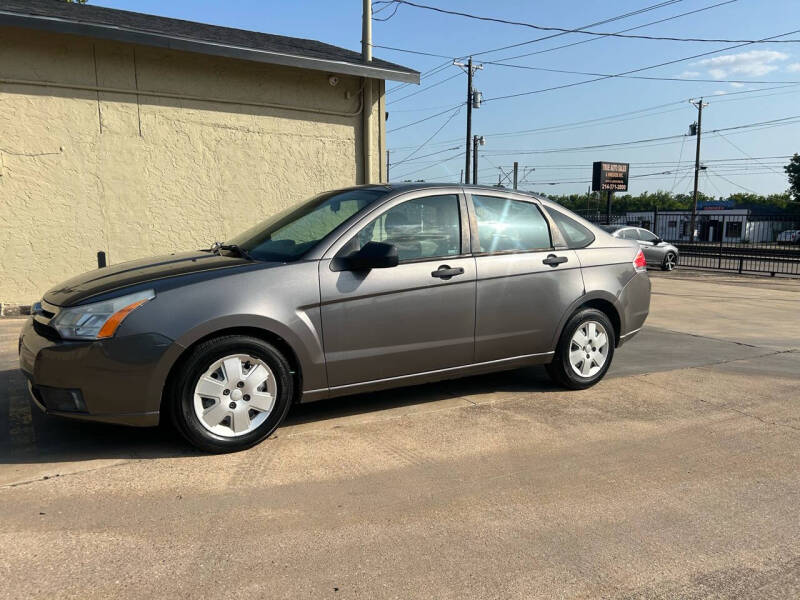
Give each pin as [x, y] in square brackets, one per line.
[670, 262]
[231, 393]
[584, 351]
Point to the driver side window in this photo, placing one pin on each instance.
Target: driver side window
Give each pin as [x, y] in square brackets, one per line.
[646, 236]
[422, 228]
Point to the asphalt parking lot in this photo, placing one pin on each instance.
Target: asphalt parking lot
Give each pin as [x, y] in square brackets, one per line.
[676, 477]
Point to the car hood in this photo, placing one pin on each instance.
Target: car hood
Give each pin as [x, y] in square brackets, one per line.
[100, 281]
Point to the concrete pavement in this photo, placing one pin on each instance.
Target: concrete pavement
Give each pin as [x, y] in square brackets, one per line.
[676, 477]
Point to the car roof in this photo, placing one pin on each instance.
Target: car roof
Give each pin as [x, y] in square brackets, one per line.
[422, 185]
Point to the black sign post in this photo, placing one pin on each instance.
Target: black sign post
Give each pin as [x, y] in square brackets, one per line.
[610, 177]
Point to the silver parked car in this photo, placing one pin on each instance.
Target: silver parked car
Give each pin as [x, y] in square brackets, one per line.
[656, 251]
[355, 290]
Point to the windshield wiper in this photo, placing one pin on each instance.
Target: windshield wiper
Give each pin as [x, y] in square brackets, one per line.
[216, 247]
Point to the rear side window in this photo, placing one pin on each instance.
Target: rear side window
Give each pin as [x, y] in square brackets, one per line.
[575, 234]
[628, 234]
[506, 225]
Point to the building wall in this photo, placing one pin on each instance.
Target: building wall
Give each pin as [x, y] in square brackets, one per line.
[206, 148]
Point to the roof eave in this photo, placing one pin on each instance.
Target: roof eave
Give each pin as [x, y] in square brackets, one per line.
[120, 34]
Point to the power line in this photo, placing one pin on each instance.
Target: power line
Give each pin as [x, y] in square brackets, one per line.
[405, 160]
[425, 89]
[740, 150]
[435, 133]
[736, 184]
[609, 20]
[583, 123]
[618, 17]
[761, 124]
[649, 78]
[603, 22]
[594, 39]
[386, 6]
[640, 69]
[423, 120]
[444, 160]
[584, 31]
[547, 37]
[565, 126]
[727, 163]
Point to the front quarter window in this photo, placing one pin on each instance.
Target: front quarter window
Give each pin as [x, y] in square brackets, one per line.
[290, 234]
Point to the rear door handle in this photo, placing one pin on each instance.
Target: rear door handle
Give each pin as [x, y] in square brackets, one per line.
[445, 272]
[554, 260]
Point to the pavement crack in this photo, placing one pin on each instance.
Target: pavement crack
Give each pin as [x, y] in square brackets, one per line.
[707, 337]
[724, 405]
[44, 478]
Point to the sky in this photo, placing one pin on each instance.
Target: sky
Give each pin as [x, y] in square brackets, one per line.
[548, 132]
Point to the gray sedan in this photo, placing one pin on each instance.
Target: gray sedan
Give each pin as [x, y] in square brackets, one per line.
[353, 291]
[656, 251]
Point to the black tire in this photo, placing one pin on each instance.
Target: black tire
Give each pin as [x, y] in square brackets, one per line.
[181, 391]
[665, 264]
[560, 370]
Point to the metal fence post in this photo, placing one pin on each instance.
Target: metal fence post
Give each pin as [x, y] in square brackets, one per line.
[655, 220]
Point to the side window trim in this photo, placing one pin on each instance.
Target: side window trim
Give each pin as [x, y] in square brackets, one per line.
[555, 239]
[463, 216]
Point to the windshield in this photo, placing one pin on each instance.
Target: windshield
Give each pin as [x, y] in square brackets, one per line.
[290, 234]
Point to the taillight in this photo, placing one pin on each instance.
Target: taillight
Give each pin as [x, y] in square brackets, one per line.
[640, 263]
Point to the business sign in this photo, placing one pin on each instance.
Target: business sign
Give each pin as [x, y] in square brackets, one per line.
[715, 204]
[610, 176]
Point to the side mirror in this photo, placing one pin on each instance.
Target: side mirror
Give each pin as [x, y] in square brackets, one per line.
[373, 255]
[657, 241]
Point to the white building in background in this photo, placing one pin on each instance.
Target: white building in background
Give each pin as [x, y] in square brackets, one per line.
[712, 225]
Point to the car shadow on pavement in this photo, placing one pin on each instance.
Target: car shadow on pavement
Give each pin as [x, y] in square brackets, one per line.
[475, 389]
[28, 437]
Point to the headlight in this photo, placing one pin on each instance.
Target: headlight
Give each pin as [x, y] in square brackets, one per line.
[98, 320]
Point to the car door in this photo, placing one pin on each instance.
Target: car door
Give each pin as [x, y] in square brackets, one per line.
[648, 243]
[524, 282]
[415, 317]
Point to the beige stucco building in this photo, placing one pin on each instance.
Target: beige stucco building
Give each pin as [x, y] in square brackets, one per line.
[138, 135]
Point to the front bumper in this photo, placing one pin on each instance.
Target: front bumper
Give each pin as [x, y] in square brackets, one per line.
[117, 380]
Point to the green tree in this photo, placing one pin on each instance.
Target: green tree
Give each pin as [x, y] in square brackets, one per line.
[793, 171]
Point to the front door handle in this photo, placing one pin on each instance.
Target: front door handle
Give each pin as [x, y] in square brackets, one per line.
[445, 272]
[554, 260]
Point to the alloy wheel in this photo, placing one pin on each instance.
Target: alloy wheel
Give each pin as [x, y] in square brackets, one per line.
[669, 261]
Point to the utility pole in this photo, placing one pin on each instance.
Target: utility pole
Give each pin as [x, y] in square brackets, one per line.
[516, 173]
[388, 164]
[476, 139]
[473, 100]
[366, 112]
[469, 115]
[699, 105]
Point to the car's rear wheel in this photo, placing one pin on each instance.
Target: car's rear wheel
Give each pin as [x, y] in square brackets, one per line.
[231, 393]
[670, 262]
[584, 351]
